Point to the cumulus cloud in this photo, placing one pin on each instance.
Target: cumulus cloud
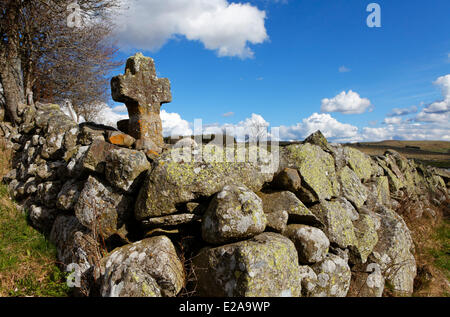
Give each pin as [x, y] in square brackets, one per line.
[393, 120]
[347, 103]
[109, 117]
[226, 27]
[438, 111]
[329, 126]
[174, 125]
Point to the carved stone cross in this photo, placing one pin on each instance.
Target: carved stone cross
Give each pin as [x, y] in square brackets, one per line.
[143, 93]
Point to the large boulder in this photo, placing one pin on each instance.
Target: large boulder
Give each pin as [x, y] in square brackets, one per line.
[317, 171]
[124, 166]
[311, 243]
[102, 209]
[266, 265]
[234, 213]
[178, 178]
[147, 268]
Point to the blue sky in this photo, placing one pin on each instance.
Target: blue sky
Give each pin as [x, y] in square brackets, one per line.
[299, 64]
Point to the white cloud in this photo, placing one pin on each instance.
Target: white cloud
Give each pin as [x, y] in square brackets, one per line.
[347, 103]
[407, 131]
[438, 111]
[330, 127]
[174, 125]
[393, 120]
[402, 111]
[344, 69]
[227, 28]
[120, 109]
[109, 117]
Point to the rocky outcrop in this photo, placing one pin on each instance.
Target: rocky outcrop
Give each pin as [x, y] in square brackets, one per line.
[138, 219]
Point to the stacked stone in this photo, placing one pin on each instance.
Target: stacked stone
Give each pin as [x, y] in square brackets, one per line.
[323, 223]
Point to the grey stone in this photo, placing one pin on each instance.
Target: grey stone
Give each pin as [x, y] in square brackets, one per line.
[234, 213]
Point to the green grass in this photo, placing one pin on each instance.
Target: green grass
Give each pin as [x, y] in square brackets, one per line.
[441, 254]
[27, 259]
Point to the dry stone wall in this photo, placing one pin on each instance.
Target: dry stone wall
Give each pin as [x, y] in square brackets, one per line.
[323, 224]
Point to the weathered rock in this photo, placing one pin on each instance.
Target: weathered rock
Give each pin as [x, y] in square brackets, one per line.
[277, 204]
[333, 277]
[74, 168]
[277, 221]
[394, 252]
[378, 192]
[168, 221]
[147, 268]
[68, 196]
[311, 243]
[76, 250]
[309, 280]
[42, 218]
[95, 157]
[234, 213]
[265, 265]
[124, 166]
[316, 169]
[366, 238]
[143, 93]
[352, 188]
[359, 162]
[369, 282]
[337, 218]
[121, 139]
[176, 179]
[55, 125]
[89, 133]
[47, 193]
[101, 208]
[317, 138]
[288, 179]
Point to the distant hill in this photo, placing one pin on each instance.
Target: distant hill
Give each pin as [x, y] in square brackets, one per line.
[435, 153]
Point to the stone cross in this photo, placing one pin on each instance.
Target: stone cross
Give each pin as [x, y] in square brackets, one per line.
[143, 93]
